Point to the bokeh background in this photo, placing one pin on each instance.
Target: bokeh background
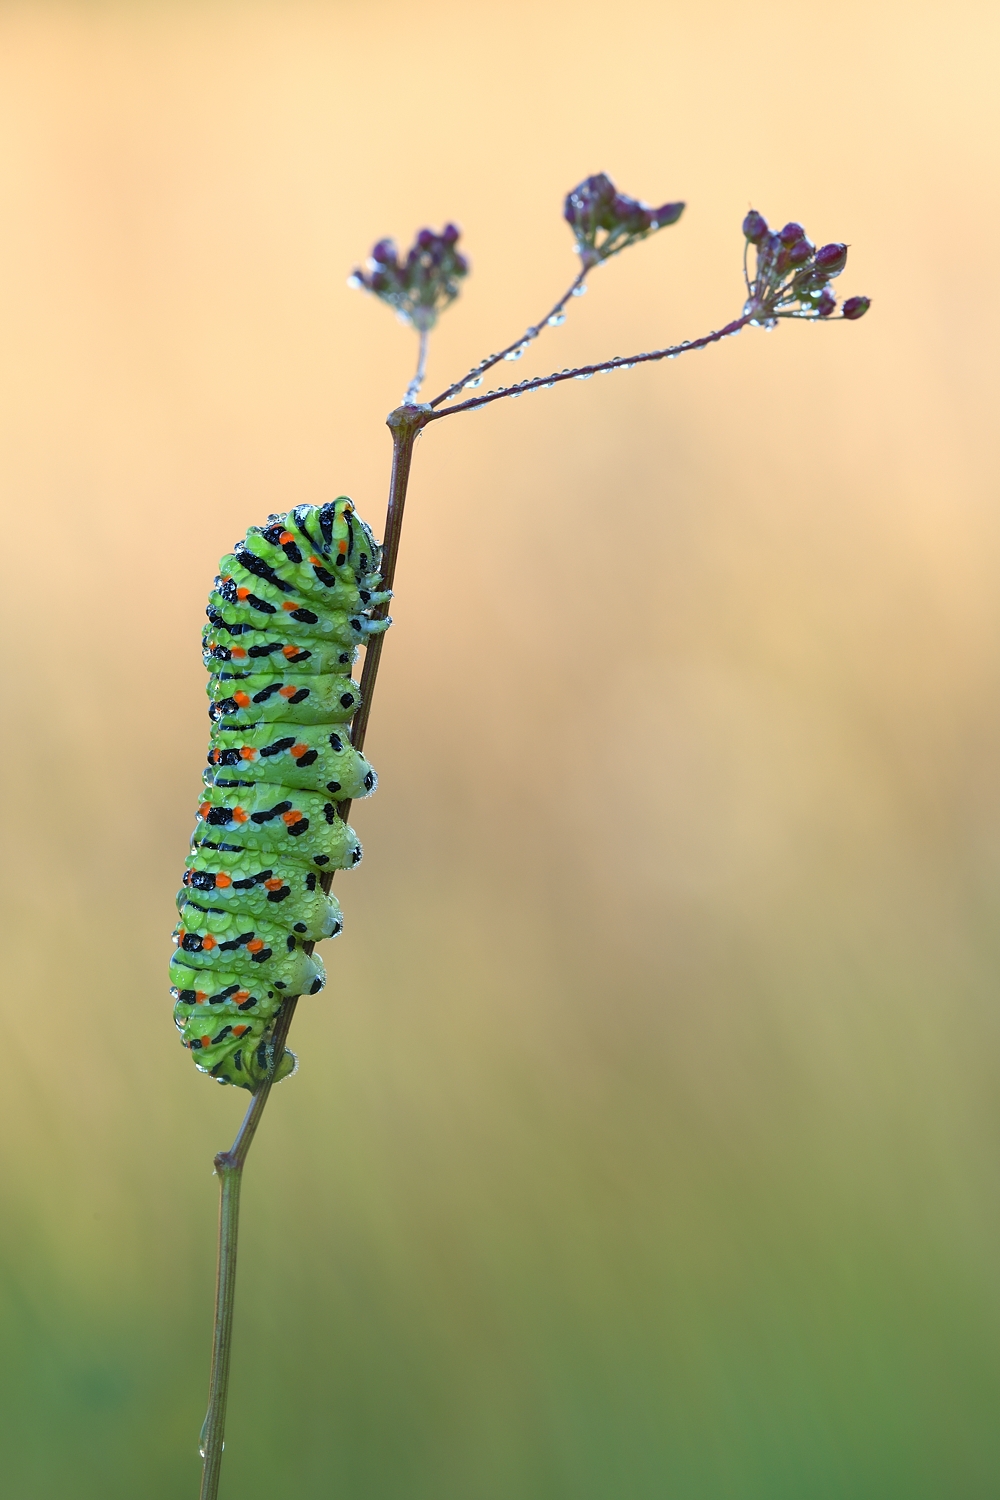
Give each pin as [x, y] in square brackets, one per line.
[646, 1138]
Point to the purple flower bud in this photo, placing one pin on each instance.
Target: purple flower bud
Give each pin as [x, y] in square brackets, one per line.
[426, 238]
[800, 252]
[782, 261]
[791, 233]
[827, 302]
[754, 227]
[856, 307]
[379, 282]
[667, 213]
[384, 252]
[450, 233]
[461, 265]
[831, 259]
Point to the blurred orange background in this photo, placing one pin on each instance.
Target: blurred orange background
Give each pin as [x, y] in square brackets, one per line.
[645, 1138]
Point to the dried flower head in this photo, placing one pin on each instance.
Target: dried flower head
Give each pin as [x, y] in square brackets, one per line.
[792, 278]
[420, 285]
[605, 221]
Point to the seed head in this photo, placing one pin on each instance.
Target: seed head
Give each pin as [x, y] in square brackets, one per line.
[605, 221]
[421, 284]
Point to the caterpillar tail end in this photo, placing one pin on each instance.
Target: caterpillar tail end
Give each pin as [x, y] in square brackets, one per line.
[249, 1071]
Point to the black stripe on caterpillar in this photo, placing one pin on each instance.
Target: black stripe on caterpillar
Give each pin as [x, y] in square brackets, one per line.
[291, 605]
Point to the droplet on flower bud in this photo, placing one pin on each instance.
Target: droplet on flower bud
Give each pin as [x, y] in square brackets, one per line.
[831, 259]
[754, 227]
[800, 252]
[827, 302]
[791, 233]
[856, 307]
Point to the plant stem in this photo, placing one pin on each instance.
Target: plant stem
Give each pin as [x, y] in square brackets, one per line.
[413, 389]
[581, 372]
[526, 338]
[404, 423]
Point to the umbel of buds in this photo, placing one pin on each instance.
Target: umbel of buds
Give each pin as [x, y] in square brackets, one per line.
[605, 221]
[792, 278]
[419, 285]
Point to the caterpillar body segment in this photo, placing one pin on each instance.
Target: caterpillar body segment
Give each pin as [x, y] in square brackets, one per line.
[316, 758]
[290, 608]
[271, 696]
[244, 882]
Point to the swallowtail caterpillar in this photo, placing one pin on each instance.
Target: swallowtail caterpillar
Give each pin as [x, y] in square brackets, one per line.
[291, 606]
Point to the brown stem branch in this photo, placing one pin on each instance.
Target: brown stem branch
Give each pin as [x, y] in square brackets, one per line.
[583, 372]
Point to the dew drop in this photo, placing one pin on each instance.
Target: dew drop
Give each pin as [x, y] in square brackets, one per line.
[557, 320]
[584, 375]
[470, 385]
[580, 291]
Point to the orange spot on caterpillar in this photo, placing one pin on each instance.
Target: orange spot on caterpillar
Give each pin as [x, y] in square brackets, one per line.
[208, 942]
[214, 757]
[291, 817]
[238, 651]
[316, 561]
[289, 651]
[247, 752]
[200, 997]
[298, 750]
[222, 881]
[289, 604]
[239, 816]
[239, 1030]
[204, 809]
[241, 995]
[342, 546]
[255, 945]
[242, 593]
[273, 885]
[242, 699]
[288, 691]
[179, 935]
[286, 536]
[206, 1041]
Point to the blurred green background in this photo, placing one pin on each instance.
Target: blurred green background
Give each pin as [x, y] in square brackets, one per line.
[645, 1141]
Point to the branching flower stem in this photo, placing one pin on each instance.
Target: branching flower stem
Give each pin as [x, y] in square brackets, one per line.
[477, 372]
[405, 424]
[583, 372]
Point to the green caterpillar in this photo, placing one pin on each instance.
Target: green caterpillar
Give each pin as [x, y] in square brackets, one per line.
[291, 606]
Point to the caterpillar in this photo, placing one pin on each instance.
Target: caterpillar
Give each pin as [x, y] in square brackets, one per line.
[290, 607]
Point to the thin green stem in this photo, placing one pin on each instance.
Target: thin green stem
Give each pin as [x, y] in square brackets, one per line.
[404, 423]
[413, 389]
